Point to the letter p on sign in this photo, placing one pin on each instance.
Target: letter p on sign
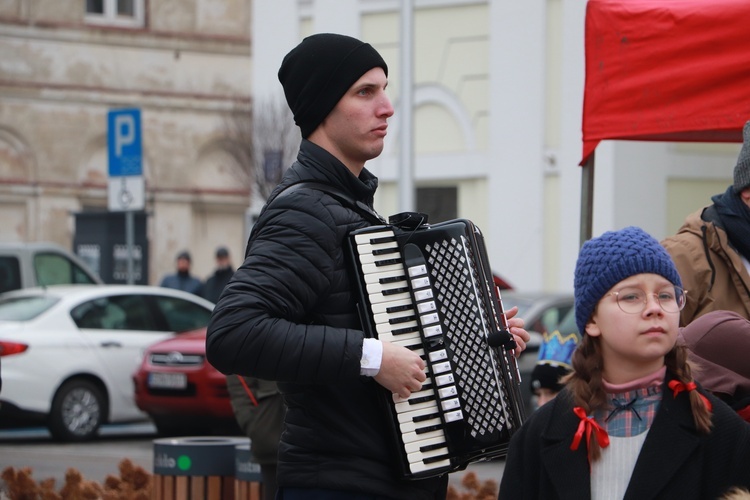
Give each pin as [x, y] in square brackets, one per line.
[124, 132]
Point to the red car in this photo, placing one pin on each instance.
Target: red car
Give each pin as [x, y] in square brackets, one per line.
[181, 392]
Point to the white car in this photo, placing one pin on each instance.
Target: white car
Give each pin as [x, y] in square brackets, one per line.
[68, 352]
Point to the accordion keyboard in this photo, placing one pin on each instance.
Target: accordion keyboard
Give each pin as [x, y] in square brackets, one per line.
[398, 320]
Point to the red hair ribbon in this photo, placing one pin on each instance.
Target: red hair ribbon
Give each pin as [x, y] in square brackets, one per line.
[588, 426]
[677, 387]
[745, 413]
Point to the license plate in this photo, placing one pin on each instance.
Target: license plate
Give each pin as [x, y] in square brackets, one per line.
[167, 380]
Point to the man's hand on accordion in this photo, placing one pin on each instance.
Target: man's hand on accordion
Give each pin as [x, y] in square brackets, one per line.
[515, 325]
[401, 370]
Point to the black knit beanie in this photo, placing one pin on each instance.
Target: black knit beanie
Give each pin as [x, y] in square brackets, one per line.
[318, 72]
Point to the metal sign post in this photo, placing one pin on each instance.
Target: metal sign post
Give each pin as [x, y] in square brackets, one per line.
[126, 186]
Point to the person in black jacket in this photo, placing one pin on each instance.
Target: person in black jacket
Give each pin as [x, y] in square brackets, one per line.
[289, 313]
[215, 284]
[182, 279]
[259, 409]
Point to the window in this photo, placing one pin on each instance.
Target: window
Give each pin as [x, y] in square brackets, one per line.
[24, 308]
[115, 12]
[439, 203]
[183, 315]
[55, 269]
[98, 314]
[135, 312]
[10, 274]
[138, 315]
[119, 312]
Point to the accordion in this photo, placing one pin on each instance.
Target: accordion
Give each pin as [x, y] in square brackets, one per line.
[430, 288]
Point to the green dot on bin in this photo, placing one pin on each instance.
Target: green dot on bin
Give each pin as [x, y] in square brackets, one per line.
[183, 462]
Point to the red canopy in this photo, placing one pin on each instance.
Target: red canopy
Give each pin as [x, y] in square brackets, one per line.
[666, 70]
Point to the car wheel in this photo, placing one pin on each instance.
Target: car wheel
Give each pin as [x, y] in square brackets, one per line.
[78, 410]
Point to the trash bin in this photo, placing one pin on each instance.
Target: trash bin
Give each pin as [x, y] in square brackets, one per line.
[247, 478]
[194, 468]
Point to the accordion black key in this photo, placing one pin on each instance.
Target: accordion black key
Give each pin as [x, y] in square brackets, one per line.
[430, 289]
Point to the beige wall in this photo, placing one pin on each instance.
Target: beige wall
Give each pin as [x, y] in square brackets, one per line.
[692, 183]
[685, 196]
[450, 69]
[451, 94]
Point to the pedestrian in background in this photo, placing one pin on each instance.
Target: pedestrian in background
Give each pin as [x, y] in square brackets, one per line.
[182, 279]
[259, 409]
[289, 314]
[719, 346]
[224, 271]
[712, 248]
[631, 423]
[552, 364]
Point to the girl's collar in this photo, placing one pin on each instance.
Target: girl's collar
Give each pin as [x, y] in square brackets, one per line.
[654, 379]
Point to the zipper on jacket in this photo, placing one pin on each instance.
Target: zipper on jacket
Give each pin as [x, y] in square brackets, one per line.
[708, 257]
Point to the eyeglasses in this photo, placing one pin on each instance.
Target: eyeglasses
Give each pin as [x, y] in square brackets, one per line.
[634, 300]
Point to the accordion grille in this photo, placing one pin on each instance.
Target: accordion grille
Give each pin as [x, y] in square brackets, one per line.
[456, 283]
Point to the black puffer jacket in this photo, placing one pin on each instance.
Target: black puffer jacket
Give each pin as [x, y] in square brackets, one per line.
[289, 314]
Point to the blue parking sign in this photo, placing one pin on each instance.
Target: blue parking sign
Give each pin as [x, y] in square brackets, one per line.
[124, 142]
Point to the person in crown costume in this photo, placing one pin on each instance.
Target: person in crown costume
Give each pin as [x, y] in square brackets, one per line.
[552, 365]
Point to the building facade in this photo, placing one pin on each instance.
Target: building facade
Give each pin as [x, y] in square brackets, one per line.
[65, 64]
[496, 93]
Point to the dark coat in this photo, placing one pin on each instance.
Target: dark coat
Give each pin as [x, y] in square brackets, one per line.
[289, 315]
[214, 285]
[184, 282]
[676, 461]
[260, 415]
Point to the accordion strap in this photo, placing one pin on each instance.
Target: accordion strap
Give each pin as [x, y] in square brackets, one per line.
[345, 199]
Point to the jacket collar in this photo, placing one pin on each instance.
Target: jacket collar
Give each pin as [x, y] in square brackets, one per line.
[315, 163]
[673, 429]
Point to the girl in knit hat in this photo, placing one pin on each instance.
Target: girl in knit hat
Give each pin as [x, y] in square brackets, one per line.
[631, 422]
